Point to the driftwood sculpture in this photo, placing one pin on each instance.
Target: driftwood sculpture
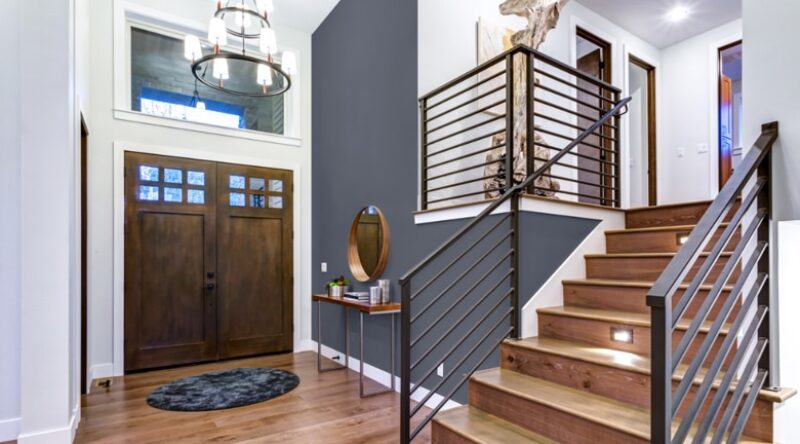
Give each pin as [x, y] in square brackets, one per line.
[542, 16]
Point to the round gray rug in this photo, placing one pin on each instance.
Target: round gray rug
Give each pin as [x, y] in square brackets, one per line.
[223, 390]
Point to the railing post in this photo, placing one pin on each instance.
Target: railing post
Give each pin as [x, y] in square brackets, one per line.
[530, 109]
[509, 122]
[764, 297]
[405, 363]
[423, 154]
[661, 371]
[515, 319]
[617, 197]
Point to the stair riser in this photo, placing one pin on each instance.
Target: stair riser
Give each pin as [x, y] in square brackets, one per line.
[658, 241]
[598, 332]
[443, 435]
[545, 420]
[632, 299]
[615, 383]
[645, 268]
[670, 216]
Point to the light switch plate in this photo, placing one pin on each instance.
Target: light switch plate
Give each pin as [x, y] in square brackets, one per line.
[681, 152]
[702, 148]
[324, 267]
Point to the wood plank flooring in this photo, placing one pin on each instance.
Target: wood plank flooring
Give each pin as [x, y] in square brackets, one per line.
[324, 408]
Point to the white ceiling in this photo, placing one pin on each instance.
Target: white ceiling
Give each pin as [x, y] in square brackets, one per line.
[647, 18]
[302, 15]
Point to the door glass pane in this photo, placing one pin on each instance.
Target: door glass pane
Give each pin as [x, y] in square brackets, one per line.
[148, 193]
[196, 178]
[257, 201]
[237, 199]
[276, 202]
[256, 184]
[276, 186]
[148, 173]
[196, 196]
[236, 182]
[173, 176]
[173, 195]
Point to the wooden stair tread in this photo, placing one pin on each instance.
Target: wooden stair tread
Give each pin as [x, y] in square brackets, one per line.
[607, 412]
[623, 360]
[630, 284]
[644, 255]
[659, 229]
[480, 427]
[672, 205]
[620, 317]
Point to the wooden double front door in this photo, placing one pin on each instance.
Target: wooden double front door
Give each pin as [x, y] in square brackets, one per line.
[208, 261]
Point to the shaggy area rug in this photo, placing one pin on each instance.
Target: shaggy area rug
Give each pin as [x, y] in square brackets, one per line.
[223, 390]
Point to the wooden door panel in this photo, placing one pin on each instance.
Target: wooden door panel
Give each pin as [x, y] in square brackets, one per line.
[172, 280]
[255, 268]
[170, 316]
[589, 159]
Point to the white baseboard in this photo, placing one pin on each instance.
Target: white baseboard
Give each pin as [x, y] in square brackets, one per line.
[52, 436]
[9, 429]
[383, 377]
[99, 371]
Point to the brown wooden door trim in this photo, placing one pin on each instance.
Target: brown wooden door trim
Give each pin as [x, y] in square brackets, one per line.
[652, 128]
[722, 174]
[84, 255]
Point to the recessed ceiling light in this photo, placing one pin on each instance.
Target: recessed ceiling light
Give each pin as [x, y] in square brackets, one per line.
[678, 14]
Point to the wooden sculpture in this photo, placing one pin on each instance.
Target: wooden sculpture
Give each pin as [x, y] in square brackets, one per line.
[542, 16]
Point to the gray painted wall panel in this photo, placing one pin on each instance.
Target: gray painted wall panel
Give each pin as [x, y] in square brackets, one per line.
[365, 144]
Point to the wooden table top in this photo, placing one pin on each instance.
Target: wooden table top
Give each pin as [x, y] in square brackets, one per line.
[364, 307]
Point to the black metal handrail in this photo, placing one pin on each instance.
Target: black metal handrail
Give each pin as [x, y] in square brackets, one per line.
[744, 200]
[494, 335]
[464, 121]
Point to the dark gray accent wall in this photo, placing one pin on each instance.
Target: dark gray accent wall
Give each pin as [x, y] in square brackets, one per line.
[365, 144]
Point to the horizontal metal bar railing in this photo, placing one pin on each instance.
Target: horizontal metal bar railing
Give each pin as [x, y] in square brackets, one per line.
[724, 357]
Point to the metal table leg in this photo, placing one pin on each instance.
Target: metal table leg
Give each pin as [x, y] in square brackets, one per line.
[361, 391]
[319, 342]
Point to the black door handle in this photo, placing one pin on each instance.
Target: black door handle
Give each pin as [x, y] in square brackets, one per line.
[210, 286]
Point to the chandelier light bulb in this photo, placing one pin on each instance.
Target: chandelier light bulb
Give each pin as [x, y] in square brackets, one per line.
[264, 75]
[265, 6]
[191, 48]
[221, 69]
[200, 105]
[269, 42]
[217, 32]
[289, 63]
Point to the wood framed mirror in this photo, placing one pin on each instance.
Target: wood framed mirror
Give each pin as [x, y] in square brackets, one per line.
[368, 244]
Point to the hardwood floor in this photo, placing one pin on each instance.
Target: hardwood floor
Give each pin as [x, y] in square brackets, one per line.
[324, 408]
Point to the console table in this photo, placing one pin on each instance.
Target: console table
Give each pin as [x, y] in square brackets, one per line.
[389, 309]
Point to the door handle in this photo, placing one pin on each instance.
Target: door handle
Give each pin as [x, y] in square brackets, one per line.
[210, 286]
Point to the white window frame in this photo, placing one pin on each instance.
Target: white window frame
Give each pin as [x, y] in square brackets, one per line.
[128, 15]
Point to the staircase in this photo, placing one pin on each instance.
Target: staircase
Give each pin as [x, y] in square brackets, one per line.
[586, 377]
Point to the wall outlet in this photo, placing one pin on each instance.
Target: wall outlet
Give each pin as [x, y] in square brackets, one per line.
[681, 152]
[324, 267]
[702, 148]
[440, 370]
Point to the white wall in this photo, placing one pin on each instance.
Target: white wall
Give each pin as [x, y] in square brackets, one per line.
[10, 229]
[104, 353]
[689, 115]
[771, 93]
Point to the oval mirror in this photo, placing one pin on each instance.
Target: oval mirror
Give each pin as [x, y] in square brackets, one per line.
[368, 246]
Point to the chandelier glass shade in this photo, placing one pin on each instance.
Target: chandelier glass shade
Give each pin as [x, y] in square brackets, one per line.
[241, 72]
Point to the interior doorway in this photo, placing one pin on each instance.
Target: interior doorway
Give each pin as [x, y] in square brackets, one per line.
[208, 261]
[644, 161]
[729, 109]
[593, 58]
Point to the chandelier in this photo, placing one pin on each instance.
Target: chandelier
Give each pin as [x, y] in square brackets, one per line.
[258, 75]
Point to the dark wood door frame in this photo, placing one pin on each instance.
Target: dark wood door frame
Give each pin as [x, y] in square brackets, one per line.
[652, 127]
[84, 267]
[605, 50]
[722, 175]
